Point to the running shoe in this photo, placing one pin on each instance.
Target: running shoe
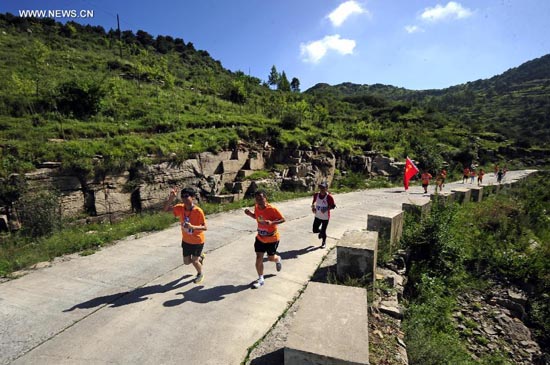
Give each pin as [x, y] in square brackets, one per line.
[323, 244]
[258, 284]
[199, 278]
[279, 265]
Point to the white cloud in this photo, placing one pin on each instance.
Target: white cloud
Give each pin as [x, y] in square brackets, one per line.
[413, 29]
[314, 51]
[452, 10]
[339, 15]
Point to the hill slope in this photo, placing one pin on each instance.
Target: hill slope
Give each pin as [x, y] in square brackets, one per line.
[78, 95]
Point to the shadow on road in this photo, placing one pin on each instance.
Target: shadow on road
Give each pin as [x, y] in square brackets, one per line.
[134, 296]
[276, 357]
[201, 295]
[323, 274]
[293, 254]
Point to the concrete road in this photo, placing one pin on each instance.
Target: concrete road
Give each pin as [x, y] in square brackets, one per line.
[135, 303]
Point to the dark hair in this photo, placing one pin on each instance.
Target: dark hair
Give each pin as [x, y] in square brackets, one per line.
[261, 192]
[188, 191]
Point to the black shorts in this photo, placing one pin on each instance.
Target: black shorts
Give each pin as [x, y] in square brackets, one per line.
[270, 248]
[191, 250]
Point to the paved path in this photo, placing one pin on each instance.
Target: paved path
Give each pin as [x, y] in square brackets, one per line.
[134, 302]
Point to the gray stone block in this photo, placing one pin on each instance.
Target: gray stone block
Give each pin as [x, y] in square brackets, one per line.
[477, 194]
[462, 195]
[356, 254]
[443, 198]
[330, 327]
[419, 211]
[388, 224]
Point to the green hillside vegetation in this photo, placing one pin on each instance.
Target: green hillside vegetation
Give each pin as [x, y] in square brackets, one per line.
[70, 93]
[505, 116]
[504, 240]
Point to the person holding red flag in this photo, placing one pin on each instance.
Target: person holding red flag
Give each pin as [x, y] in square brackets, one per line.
[410, 171]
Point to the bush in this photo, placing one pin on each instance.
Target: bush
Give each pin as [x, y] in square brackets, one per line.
[40, 213]
[80, 100]
[352, 180]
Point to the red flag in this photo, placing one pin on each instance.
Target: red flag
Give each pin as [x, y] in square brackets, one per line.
[410, 171]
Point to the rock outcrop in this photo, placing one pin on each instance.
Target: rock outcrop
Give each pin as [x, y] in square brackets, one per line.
[145, 187]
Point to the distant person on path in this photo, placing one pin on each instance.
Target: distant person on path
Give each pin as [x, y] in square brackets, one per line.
[322, 204]
[465, 175]
[472, 176]
[193, 225]
[425, 177]
[496, 169]
[440, 180]
[267, 239]
[500, 174]
[480, 177]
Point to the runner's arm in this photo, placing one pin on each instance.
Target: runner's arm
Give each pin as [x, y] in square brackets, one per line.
[171, 197]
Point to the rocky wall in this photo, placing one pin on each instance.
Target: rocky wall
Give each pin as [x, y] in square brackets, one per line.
[211, 174]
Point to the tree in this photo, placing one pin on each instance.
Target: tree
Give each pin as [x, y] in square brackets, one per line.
[236, 92]
[274, 76]
[37, 55]
[295, 85]
[283, 84]
[79, 98]
[144, 38]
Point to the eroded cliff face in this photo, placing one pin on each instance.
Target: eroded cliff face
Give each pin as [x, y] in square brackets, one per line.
[220, 177]
[147, 187]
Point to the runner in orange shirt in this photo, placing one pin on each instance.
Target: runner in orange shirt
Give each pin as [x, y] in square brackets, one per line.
[480, 177]
[193, 225]
[465, 175]
[267, 239]
[425, 177]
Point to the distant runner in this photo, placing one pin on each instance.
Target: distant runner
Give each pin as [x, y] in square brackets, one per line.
[193, 225]
[425, 177]
[321, 206]
[500, 175]
[267, 239]
[480, 175]
[440, 180]
[465, 175]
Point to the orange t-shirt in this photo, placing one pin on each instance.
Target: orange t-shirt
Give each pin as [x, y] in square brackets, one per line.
[195, 217]
[267, 233]
[426, 178]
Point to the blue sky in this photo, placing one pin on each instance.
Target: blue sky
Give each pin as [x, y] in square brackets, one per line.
[416, 44]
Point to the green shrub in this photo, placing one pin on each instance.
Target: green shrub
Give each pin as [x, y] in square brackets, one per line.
[352, 180]
[39, 213]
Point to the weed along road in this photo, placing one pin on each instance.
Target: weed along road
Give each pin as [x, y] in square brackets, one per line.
[135, 303]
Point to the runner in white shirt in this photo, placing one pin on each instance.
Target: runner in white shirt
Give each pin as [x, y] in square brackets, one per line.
[321, 206]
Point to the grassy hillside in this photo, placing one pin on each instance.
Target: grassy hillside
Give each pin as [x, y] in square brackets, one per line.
[506, 116]
[97, 102]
